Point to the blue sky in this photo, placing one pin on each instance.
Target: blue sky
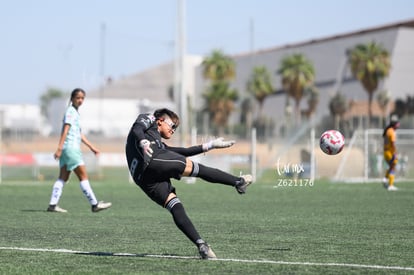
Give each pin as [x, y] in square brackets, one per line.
[52, 43]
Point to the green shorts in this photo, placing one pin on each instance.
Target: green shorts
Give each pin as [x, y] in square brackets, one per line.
[71, 158]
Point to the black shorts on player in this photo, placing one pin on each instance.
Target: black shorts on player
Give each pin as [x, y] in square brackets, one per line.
[152, 165]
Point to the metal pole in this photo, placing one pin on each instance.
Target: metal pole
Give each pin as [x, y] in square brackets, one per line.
[180, 71]
[253, 156]
[252, 39]
[1, 145]
[366, 155]
[102, 75]
[312, 155]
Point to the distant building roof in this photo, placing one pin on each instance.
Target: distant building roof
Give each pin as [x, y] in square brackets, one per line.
[360, 108]
[152, 84]
[406, 23]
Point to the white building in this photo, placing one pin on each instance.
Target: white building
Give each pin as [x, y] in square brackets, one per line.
[17, 120]
[110, 110]
[110, 118]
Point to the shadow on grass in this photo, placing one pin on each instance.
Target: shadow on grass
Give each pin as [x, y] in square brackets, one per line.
[279, 249]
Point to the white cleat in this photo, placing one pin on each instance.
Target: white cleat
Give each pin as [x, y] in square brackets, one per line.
[55, 208]
[392, 188]
[101, 206]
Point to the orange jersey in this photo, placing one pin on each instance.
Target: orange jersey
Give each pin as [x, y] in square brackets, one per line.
[389, 141]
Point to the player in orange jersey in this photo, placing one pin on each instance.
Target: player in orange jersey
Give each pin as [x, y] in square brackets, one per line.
[390, 152]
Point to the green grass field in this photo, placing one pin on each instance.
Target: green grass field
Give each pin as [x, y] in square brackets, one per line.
[327, 228]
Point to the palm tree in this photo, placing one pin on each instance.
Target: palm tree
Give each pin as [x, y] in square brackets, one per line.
[400, 107]
[260, 86]
[313, 100]
[297, 73]
[370, 63]
[246, 116]
[219, 69]
[338, 105]
[383, 99]
[220, 100]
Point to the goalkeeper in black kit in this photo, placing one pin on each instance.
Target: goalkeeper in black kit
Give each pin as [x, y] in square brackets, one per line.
[152, 164]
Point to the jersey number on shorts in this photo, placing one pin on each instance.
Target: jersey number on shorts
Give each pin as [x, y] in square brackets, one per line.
[134, 165]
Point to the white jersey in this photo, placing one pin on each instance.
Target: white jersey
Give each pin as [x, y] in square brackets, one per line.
[73, 138]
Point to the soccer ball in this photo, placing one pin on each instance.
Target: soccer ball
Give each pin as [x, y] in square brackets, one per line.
[332, 142]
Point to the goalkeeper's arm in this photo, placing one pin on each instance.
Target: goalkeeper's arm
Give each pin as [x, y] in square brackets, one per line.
[198, 149]
[217, 143]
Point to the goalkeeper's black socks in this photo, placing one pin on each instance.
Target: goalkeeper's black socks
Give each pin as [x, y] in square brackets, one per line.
[213, 175]
[181, 219]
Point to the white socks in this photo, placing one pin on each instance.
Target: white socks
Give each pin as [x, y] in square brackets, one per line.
[84, 185]
[56, 192]
[87, 191]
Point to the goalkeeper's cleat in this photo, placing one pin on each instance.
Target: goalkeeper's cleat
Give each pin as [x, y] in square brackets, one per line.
[206, 252]
[245, 180]
[55, 208]
[101, 206]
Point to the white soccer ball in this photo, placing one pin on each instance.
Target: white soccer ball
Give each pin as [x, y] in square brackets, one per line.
[332, 142]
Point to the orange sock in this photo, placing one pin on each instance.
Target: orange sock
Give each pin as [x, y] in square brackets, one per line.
[391, 179]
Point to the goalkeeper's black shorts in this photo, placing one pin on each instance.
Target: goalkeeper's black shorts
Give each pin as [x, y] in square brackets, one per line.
[156, 181]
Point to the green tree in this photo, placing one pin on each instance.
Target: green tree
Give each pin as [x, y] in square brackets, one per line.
[370, 63]
[338, 106]
[220, 100]
[297, 74]
[383, 99]
[313, 100]
[219, 69]
[47, 97]
[260, 86]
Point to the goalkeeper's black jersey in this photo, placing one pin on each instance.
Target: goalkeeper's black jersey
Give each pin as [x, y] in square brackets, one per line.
[145, 127]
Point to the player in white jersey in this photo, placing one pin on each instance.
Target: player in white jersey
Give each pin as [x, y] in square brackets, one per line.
[70, 156]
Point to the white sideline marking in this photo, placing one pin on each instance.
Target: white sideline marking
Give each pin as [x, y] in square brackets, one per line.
[384, 267]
